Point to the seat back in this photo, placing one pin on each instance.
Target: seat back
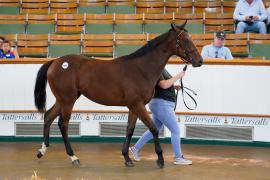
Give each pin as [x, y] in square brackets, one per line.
[157, 23]
[128, 43]
[98, 45]
[61, 45]
[99, 23]
[194, 22]
[208, 6]
[128, 23]
[35, 6]
[33, 45]
[148, 7]
[238, 44]
[228, 6]
[216, 22]
[179, 7]
[259, 45]
[92, 6]
[120, 6]
[9, 7]
[12, 24]
[40, 23]
[63, 6]
[70, 23]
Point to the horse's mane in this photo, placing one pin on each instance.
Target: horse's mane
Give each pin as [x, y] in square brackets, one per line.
[147, 47]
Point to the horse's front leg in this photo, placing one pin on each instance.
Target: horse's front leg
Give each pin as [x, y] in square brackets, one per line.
[146, 119]
[132, 118]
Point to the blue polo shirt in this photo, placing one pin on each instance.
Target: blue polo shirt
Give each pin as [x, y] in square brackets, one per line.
[212, 51]
[8, 55]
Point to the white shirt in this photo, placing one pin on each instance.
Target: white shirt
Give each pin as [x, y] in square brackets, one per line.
[256, 8]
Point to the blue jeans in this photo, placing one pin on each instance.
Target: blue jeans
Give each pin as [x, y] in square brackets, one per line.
[256, 26]
[163, 113]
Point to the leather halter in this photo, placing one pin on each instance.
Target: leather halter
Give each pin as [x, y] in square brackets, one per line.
[186, 58]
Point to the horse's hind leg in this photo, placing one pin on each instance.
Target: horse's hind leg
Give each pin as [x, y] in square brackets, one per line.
[132, 118]
[63, 126]
[146, 119]
[49, 116]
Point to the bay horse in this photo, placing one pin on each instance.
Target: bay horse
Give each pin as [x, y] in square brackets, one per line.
[124, 81]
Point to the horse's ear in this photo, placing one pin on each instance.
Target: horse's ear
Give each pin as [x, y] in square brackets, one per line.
[174, 27]
[183, 25]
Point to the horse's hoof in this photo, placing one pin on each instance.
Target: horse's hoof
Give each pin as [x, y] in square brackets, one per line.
[39, 155]
[160, 163]
[76, 162]
[129, 164]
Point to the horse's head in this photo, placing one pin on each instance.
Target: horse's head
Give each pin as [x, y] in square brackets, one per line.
[184, 47]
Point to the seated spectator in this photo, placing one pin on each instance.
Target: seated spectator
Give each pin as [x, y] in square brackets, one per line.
[250, 15]
[5, 51]
[2, 39]
[217, 48]
[13, 50]
[268, 19]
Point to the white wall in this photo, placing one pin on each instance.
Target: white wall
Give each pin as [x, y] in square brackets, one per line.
[220, 88]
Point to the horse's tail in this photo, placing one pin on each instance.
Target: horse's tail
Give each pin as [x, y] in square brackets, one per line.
[40, 87]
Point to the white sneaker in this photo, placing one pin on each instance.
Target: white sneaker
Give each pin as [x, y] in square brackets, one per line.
[182, 161]
[135, 153]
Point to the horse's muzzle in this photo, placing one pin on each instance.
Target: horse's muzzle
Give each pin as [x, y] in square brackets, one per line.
[198, 63]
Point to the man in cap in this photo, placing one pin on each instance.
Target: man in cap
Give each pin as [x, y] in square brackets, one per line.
[217, 48]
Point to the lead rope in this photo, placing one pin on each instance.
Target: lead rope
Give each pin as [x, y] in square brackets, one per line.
[185, 90]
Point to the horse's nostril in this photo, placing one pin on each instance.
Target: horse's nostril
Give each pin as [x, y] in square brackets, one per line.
[201, 61]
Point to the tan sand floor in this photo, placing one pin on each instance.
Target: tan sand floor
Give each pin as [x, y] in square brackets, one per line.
[100, 161]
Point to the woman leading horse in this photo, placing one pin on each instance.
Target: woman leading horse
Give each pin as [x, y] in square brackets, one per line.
[125, 81]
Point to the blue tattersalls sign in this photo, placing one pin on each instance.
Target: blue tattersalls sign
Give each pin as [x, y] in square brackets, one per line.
[20, 116]
[224, 120]
[249, 121]
[216, 120]
[35, 116]
[109, 117]
[123, 117]
[76, 116]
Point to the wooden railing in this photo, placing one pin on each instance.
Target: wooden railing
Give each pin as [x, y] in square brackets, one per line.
[173, 60]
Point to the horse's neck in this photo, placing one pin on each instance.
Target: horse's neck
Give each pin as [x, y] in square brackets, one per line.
[154, 62]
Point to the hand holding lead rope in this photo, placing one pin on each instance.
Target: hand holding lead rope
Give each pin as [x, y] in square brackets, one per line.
[185, 90]
[185, 68]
